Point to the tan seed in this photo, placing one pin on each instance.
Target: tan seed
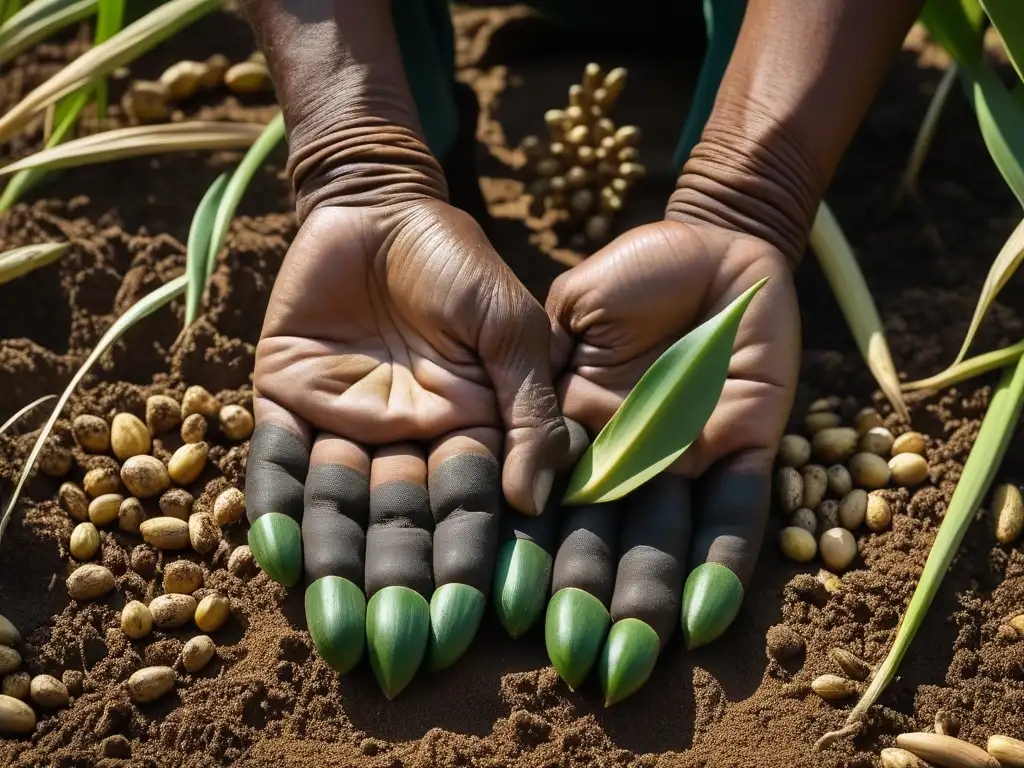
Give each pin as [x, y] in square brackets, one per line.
[1007, 513]
[85, 541]
[815, 484]
[182, 79]
[818, 420]
[182, 577]
[596, 229]
[908, 469]
[216, 66]
[828, 514]
[136, 620]
[188, 462]
[1007, 750]
[879, 514]
[91, 432]
[150, 683]
[177, 502]
[212, 611]
[866, 420]
[48, 692]
[145, 476]
[103, 509]
[130, 515]
[89, 581]
[797, 544]
[831, 403]
[869, 471]
[16, 716]
[197, 399]
[101, 481]
[909, 442]
[162, 414]
[877, 440]
[789, 488]
[806, 519]
[74, 501]
[229, 506]
[838, 549]
[146, 101]
[946, 723]
[248, 77]
[55, 460]
[16, 685]
[832, 583]
[172, 611]
[894, 757]
[193, 428]
[1017, 622]
[129, 436]
[165, 532]
[197, 653]
[235, 422]
[853, 508]
[203, 533]
[794, 451]
[10, 659]
[242, 563]
[945, 750]
[9, 634]
[834, 444]
[852, 666]
[833, 687]
[839, 481]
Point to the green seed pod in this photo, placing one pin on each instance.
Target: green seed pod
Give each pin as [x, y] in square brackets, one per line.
[521, 581]
[711, 599]
[397, 628]
[574, 631]
[627, 660]
[276, 543]
[336, 617]
[455, 613]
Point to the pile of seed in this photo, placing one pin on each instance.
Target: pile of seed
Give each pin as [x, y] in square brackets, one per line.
[144, 497]
[150, 101]
[585, 168]
[942, 747]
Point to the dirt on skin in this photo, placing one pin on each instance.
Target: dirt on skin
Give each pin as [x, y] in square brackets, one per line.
[266, 699]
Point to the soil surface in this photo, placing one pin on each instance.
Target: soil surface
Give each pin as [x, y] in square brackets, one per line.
[267, 700]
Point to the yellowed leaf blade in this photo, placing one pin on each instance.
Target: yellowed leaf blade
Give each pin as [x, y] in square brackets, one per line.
[968, 369]
[839, 264]
[138, 141]
[20, 261]
[125, 46]
[34, 23]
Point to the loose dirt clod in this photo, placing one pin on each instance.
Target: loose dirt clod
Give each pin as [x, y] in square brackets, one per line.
[839, 481]
[182, 577]
[163, 413]
[177, 502]
[908, 469]
[781, 642]
[833, 687]
[130, 515]
[241, 562]
[212, 611]
[16, 685]
[237, 423]
[74, 501]
[48, 692]
[946, 723]
[852, 667]
[16, 716]
[89, 581]
[197, 653]
[869, 471]
[945, 750]
[794, 451]
[838, 549]
[150, 683]
[188, 462]
[229, 506]
[85, 541]
[1007, 750]
[193, 428]
[165, 532]
[853, 508]
[172, 611]
[806, 519]
[879, 513]
[129, 436]
[877, 440]
[909, 442]
[197, 399]
[55, 460]
[143, 560]
[136, 620]
[91, 432]
[101, 481]
[203, 533]
[103, 509]
[10, 660]
[797, 544]
[145, 476]
[1007, 513]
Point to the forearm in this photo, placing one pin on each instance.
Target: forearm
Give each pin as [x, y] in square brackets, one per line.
[353, 132]
[799, 82]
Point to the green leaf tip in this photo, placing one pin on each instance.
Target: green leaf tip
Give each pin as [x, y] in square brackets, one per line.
[627, 660]
[663, 414]
[574, 630]
[711, 599]
[276, 543]
[336, 618]
[397, 629]
[455, 613]
[521, 579]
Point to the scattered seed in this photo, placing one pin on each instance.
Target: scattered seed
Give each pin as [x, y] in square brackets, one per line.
[869, 471]
[1017, 622]
[150, 683]
[830, 403]
[945, 750]
[145, 476]
[908, 469]
[48, 692]
[806, 519]
[833, 687]
[834, 444]
[165, 532]
[197, 399]
[136, 620]
[193, 428]
[85, 541]
[103, 509]
[16, 685]
[101, 481]
[838, 549]
[182, 79]
[852, 666]
[866, 420]
[229, 506]
[130, 515]
[1007, 513]
[235, 422]
[789, 487]
[894, 757]
[172, 611]
[197, 653]
[74, 501]
[815, 484]
[129, 436]
[853, 508]
[839, 481]
[946, 723]
[879, 514]
[877, 440]
[794, 451]
[146, 101]
[177, 502]
[212, 611]
[162, 414]
[797, 544]
[10, 659]
[91, 432]
[909, 442]
[188, 462]
[216, 66]
[16, 716]
[9, 634]
[248, 77]
[242, 563]
[818, 420]
[55, 460]
[182, 577]
[89, 581]
[827, 514]
[1006, 750]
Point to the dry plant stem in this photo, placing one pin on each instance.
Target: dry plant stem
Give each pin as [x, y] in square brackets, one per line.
[968, 369]
[37, 21]
[23, 411]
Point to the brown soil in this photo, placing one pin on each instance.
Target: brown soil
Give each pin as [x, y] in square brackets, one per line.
[267, 700]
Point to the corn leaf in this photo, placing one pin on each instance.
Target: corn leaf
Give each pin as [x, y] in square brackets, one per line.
[839, 264]
[139, 310]
[21, 261]
[109, 19]
[8, 8]
[925, 134]
[199, 247]
[23, 411]
[127, 45]
[1008, 20]
[968, 369]
[663, 414]
[139, 141]
[38, 21]
[997, 428]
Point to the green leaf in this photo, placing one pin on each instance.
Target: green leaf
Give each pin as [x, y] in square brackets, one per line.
[37, 21]
[21, 261]
[109, 20]
[968, 369]
[397, 629]
[455, 613]
[522, 577]
[664, 412]
[135, 313]
[199, 247]
[574, 631]
[336, 617]
[8, 8]
[925, 134]
[276, 543]
[627, 660]
[711, 599]
[1008, 20]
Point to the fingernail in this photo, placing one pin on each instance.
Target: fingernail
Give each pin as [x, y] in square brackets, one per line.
[542, 482]
[336, 618]
[627, 660]
[397, 628]
[711, 599]
[455, 613]
[276, 543]
[521, 580]
[574, 629]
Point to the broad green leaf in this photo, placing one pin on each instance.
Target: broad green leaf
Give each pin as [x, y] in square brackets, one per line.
[1008, 19]
[37, 21]
[135, 313]
[664, 412]
[199, 247]
[843, 273]
[925, 134]
[958, 26]
[23, 411]
[968, 369]
[21, 261]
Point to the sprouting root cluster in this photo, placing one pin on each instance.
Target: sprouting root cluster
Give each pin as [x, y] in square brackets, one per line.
[585, 167]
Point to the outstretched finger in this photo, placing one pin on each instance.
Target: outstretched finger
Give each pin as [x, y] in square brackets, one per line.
[274, 481]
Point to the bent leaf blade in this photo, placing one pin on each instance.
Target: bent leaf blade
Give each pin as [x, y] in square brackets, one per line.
[664, 413]
[21, 261]
[199, 247]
